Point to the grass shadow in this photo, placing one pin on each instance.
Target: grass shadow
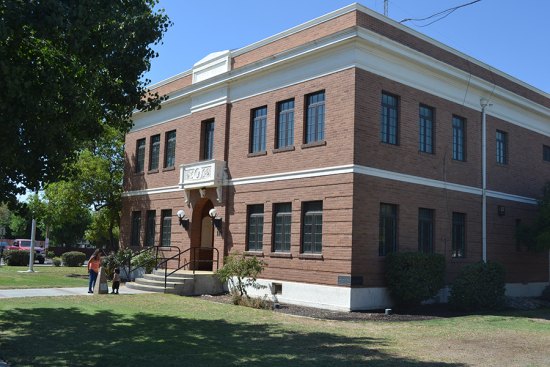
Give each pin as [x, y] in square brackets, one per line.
[70, 337]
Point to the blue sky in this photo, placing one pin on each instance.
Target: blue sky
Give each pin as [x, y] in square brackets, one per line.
[510, 35]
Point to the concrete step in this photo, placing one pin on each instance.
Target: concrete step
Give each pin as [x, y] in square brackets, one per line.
[157, 281]
[150, 288]
[160, 278]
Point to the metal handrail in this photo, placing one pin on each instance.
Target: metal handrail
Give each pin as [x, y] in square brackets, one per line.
[194, 261]
[157, 249]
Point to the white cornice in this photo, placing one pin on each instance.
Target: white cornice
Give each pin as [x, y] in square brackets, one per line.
[347, 169]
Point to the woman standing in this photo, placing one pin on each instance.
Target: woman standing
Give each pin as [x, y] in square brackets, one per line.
[93, 269]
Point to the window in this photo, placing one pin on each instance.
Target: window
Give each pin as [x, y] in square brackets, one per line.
[165, 227]
[502, 147]
[425, 230]
[459, 235]
[170, 149]
[546, 153]
[425, 132]
[154, 153]
[387, 241]
[388, 119]
[150, 228]
[140, 155]
[312, 227]
[315, 117]
[282, 214]
[255, 230]
[136, 229]
[258, 130]
[518, 234]
[459, 149]
[285, 124]
[208, 140]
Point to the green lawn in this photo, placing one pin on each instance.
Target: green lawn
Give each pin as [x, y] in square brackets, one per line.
[168, 330]
[43, 277]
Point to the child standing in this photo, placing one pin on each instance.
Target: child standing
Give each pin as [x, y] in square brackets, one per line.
[116, 281]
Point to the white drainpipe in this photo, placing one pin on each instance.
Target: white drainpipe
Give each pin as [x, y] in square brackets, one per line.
[484, 103]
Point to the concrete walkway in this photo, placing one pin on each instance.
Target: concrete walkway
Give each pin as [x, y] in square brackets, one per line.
[50, 292]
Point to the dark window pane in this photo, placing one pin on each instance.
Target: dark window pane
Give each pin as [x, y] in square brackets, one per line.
[312, 227]
[459, 235]
[282, 221]
[150, 229]
[255, 225]
[136, 229]
[155, 153]
[425, 230]
[387, 241]
[208, 143]
[166, 227]
[285, 124]
[502, 147]
[459, 149]
[425, 125]
[546, 153]
[258, 127]
[170, 153]
[140, 155]
[388, 119]
[315, 118]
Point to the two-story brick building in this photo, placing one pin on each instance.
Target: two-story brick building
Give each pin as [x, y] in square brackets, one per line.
[325, 147]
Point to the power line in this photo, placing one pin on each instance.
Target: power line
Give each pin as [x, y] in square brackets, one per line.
[443, 14]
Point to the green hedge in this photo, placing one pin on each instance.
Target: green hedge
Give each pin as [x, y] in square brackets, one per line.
[16, 258]
[413, 277]
[479, 286]
[73, 258]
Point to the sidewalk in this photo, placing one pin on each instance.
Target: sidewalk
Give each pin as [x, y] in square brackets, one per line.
[51, 292]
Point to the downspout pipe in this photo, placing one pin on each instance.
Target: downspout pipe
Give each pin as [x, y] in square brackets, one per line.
[484, 103]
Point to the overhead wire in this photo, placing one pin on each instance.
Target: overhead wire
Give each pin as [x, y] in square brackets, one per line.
[443, 14]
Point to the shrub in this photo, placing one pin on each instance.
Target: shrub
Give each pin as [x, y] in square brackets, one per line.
[479, 286]
[73, 258]
[115, 260]
[241, 272]
[145, 260]
[50, 254]
[16, 258]
[413, 277]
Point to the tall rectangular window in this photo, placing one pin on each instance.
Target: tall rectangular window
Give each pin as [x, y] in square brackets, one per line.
[459, 133]
[136, 229]
[154, 153]
[208, 140]
[165, 227]
[459, 235]
[255, 227]
[285, 124]
[140, 155]
[502, 147]
[170, 149]
[150, 228]
[425, 230]
[546, 153]
[315, 117]
[387, 237]
[389, 119]
[425, 129]
[312, 227]
[258, 128]
[282, 217]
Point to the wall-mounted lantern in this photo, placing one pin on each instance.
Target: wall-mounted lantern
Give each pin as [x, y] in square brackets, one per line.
[184, 221]
[216, 221]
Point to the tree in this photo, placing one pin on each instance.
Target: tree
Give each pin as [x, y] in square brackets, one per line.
[537, 236]
[68, 68]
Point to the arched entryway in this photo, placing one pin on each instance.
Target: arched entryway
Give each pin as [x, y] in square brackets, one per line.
[202, 236]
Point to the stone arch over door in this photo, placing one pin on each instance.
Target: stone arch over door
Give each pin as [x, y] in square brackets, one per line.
[202, 236]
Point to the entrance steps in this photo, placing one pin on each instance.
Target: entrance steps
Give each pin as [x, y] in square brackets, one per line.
[182, 282]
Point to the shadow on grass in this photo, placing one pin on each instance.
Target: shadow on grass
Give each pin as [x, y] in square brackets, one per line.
[68, 337]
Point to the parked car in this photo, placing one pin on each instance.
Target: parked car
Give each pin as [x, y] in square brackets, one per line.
[4, 245]
[25, 245]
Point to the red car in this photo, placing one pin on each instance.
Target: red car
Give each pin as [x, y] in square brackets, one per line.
[25, 245]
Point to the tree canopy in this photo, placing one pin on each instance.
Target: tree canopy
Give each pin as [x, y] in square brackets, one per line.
[67, 69]
[537, 236]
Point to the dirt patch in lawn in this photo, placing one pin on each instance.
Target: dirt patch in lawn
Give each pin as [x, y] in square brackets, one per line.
[81, 276]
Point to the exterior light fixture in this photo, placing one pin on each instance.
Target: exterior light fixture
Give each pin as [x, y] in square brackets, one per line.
[184, 221]
[216, 221]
